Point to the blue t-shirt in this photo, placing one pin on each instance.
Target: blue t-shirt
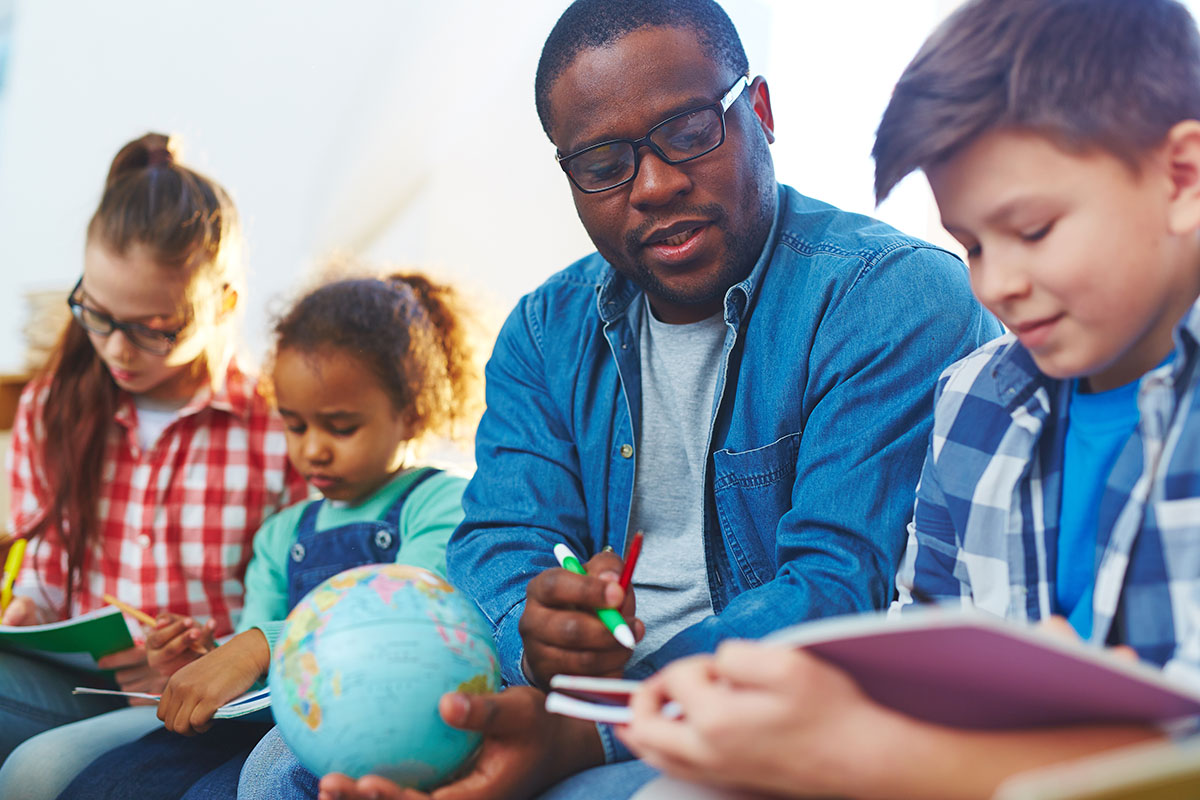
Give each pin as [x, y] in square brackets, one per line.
[1099, 426]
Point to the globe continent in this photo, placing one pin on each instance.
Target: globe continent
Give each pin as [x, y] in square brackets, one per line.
[360, 665]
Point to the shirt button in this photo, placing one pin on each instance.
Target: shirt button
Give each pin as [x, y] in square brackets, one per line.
[143, 541]
[626, 451]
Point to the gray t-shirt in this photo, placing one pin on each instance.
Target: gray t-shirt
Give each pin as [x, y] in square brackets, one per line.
[679, 378]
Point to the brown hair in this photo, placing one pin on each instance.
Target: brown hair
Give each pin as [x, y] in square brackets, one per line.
[186, 221]
[411, 332]
[1112, 74]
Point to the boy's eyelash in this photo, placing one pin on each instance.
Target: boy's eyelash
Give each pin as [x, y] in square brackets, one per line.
[343, 431]
[1039, 234]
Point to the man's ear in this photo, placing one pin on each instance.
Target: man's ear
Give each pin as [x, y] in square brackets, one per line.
[760, 101]
[1181, 152]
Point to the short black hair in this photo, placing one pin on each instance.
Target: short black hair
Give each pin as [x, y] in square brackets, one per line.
[588, 24]
[1112, 74]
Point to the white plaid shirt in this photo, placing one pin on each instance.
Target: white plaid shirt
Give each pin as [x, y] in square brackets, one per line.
[985, 525]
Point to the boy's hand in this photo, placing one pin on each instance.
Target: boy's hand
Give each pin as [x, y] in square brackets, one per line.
[559, 626]
[133, 673]
[764, 717]
[176, 641]
[1060, 627]
[525, 749]
[198, 689]
[22, 611]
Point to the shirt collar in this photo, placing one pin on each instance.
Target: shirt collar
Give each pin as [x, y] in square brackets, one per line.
[616, 291]
[233, 395]
[1016, 374]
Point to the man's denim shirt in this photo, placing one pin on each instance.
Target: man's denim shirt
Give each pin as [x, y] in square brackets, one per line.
[821, 416]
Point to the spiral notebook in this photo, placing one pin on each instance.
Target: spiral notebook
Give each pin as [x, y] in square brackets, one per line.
[240, 706]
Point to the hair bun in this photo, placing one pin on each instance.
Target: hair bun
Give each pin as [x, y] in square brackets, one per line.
[151, 150]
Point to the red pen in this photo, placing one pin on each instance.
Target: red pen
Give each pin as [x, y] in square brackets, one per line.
[631, 557]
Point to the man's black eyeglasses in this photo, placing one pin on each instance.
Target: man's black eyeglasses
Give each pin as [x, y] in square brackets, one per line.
[152, 340]
[675, 140]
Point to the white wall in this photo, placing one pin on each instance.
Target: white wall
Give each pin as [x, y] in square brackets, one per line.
[400, 129]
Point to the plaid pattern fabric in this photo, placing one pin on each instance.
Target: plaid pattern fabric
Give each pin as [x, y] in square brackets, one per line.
[985, 524]
[177, 520]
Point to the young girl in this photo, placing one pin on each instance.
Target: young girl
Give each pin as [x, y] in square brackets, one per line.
[142, 458]
[363, 371]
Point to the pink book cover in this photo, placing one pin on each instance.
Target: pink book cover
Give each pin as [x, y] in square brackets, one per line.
[970, 670]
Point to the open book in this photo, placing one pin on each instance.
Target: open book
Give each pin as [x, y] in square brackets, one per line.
[964, 670]
[240, 706]
[77, 642]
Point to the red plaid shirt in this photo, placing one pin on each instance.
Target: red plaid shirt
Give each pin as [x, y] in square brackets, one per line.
[176, 520]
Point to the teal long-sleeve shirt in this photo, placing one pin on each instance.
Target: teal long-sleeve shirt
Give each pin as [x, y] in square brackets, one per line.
[430, 515]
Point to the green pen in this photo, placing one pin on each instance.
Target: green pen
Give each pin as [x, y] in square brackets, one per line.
[611, 618]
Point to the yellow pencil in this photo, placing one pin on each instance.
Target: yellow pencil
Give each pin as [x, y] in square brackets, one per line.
[136, 613]
[12, 567]
[146, 619]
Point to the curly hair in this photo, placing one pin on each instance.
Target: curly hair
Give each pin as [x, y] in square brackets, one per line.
[410, 332]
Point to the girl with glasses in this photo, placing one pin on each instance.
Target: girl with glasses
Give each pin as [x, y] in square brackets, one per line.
[364, 371]
[142, 460]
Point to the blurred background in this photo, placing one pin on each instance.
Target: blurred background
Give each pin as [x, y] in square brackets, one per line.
[399, 130]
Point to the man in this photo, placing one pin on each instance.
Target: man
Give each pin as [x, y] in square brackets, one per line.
[741, 372]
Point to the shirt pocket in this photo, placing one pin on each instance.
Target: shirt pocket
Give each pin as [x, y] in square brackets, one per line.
[752, 490]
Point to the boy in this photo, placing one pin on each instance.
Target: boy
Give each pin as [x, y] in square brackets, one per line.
[1061, 141]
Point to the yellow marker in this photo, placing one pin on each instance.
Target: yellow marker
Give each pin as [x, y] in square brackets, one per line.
[12, 566]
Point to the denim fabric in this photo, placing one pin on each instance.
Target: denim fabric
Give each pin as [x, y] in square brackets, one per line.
[320, 554]
[43, 766]
[35, 695]
[821, 416]
[271, 772]
[822, 412]
[166, 766]
[611, 782]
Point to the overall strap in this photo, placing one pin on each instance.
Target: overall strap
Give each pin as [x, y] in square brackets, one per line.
[308, 519]
[392, 518]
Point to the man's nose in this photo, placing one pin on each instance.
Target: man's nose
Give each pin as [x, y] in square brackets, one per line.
[657, 183]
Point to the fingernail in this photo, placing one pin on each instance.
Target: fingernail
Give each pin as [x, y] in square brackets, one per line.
[608, 575]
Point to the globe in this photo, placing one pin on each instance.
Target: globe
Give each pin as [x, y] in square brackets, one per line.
[360, 665]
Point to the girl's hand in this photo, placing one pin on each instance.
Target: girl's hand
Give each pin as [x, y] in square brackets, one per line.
[198, 689]
[133, 674]
[176, 641]
[22, 611]
[762, 717]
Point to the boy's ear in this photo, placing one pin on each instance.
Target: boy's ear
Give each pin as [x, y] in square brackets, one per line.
[1182, 153]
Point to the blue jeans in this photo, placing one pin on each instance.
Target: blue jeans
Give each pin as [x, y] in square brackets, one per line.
[273, 773]
[166, 766]
[43, 766]
[616, 781]
[35, 695]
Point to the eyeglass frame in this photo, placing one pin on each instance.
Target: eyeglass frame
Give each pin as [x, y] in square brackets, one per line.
[727, 100]
[170, 338]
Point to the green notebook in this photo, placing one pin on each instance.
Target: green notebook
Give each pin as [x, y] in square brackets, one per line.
[78, 641]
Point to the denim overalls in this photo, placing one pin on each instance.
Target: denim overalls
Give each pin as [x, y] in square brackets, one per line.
[317, 555]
